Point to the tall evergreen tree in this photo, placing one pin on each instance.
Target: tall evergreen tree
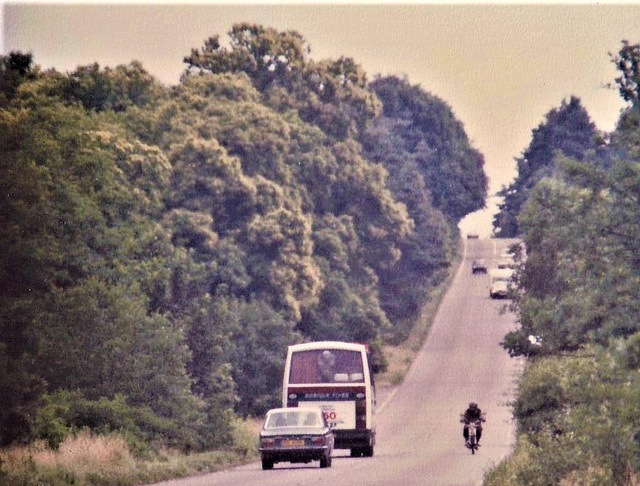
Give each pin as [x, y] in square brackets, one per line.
[567, 130]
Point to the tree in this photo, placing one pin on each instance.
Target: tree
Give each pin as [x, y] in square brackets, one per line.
[580, 234]
[261, 336]
[627, 61]
[577, 311]
[248, 166]
[567, 130]
[348, 306]
[81, 249]
[435, 173]
[99, 339]
[425, 127]
[266, 55]
[330, 94]
[14, 69]
[283, 271]
[195, 231]
[110, 89]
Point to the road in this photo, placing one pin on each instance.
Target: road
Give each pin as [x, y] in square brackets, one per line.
[419, 434]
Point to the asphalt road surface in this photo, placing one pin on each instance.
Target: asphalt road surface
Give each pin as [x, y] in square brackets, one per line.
[419, 439]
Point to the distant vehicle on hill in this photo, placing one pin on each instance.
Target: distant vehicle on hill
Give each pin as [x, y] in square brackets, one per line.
[506, 263]
[478, 266]
[500, 281]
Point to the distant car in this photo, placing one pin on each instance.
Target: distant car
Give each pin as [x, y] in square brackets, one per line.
[499, 283]
[499, 290]
[506, 263]
[478, 266]
[296, 435]
[472, 236]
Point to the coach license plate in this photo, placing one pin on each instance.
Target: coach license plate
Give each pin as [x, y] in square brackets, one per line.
[292, 442]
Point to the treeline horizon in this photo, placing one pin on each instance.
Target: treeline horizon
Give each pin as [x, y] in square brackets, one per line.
[162, 245]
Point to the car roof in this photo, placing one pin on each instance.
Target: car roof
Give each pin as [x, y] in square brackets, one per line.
[501, 272]
[294, 409]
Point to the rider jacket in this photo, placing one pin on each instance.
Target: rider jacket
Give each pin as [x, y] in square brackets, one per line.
[472, 414]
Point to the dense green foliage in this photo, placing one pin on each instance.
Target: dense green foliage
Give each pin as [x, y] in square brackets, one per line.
[566, 130]
[163, 245]
[577, 301]
[425, 151]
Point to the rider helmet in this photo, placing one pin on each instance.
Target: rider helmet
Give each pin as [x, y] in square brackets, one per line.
[473, 405]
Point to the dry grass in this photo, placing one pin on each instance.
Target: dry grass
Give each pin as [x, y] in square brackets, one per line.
[78, 458]
[90, 460]
[86, 453]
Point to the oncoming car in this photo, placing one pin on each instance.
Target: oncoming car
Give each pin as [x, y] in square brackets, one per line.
[500, 281]
[295, 435]
[478, 266]
[506, 263]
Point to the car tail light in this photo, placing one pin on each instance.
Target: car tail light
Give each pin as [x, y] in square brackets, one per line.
[267, 442]
[317, 440]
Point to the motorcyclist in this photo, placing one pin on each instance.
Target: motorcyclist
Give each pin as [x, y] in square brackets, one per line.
[472, 414]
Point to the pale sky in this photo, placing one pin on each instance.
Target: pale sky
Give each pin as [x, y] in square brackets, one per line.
[500, 67]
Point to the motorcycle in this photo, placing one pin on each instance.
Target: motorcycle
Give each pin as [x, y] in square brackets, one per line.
[471, 426]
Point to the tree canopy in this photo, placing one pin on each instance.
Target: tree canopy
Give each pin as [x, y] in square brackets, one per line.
[163, 245]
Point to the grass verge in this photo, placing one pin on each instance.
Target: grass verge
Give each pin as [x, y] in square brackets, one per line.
[97, 460]
[400, 356]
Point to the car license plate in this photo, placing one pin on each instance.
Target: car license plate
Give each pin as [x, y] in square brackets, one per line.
[292, 442]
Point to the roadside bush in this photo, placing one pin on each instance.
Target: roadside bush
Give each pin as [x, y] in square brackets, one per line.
[245, 437]
[551, 458]
[49, 423]
[579, 420]
[65, 411]
[540, 459]
[540, 398]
